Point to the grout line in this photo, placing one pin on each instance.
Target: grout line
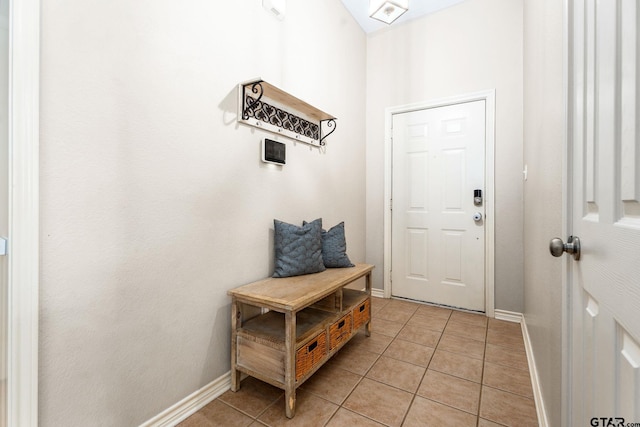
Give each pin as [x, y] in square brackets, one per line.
[498, 363]
[267, 407]
[413, 398]
[484, 360]
[510, 392]
[232, 407]
[411, 363]
[522, 349]
[353, 412]
[332, 415]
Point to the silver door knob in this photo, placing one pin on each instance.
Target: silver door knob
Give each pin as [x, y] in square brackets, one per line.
[477, 216]
[557, 247]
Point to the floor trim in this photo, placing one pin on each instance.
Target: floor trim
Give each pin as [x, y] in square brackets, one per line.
[378, 293]
[511, 316]
[191, 404]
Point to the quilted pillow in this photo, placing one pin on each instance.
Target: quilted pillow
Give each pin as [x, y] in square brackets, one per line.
[334, 247]
[298, 250]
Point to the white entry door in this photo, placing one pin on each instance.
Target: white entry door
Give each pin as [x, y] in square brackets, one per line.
[437, 247]
[604, 211]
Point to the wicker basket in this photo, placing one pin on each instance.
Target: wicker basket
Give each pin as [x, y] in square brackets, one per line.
[310, 354]
[340, 331]
[361, 314]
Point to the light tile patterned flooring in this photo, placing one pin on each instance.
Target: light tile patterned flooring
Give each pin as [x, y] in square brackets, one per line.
[422, 366]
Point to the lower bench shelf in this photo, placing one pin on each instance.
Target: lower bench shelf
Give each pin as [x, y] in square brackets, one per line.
[319, 334]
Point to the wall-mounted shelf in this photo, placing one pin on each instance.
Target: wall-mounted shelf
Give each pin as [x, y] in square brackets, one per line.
[267, 107]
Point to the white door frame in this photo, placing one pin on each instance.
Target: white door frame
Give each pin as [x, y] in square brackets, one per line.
[24, 234]
[567, 223]
[489, 97]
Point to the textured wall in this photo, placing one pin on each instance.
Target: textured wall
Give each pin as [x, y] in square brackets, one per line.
[153, 199]
[473, 46]
[544, 141]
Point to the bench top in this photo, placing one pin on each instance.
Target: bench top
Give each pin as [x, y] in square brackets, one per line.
[298, 292]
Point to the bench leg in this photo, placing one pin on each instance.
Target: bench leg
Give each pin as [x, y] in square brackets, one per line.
[235, 324]
[290, 365]
[367, 328]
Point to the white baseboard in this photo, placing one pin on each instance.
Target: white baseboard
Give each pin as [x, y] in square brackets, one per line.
[509, 316]
[190, 404]
[379, 293]
[543, 421]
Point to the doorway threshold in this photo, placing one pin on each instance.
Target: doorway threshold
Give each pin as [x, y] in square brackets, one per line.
[433, 304]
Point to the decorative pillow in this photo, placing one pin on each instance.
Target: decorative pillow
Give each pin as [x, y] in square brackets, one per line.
[334, 247]
[298, 249]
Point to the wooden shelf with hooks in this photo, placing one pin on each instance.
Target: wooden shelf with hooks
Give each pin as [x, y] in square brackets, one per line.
[265, 106]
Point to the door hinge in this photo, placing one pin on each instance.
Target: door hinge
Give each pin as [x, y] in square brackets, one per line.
[390, 204]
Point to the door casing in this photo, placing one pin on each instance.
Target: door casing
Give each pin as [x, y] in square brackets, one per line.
[24, 233]
[489, 97]
[567, 225]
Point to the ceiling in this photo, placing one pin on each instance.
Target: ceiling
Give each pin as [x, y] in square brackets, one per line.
[417, 8]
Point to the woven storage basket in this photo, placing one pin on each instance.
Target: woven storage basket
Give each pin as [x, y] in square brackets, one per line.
[340, 331]
[361, 314]
[310, 354]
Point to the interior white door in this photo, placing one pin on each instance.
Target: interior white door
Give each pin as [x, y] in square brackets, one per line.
[437, 248]
[604, 212]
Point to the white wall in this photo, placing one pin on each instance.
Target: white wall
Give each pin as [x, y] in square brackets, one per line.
[154, 202]
[473, 46]
[544, 140]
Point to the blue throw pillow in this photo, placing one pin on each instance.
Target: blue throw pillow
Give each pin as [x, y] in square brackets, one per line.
[298, 250]
[334, 247]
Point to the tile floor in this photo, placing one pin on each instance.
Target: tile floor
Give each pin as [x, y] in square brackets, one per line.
[422, 366]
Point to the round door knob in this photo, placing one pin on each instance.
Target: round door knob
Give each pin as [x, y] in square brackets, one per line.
[477, 216]
[557, 247]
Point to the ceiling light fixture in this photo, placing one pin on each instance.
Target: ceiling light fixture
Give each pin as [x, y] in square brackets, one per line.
[387, 11]
[277, 7]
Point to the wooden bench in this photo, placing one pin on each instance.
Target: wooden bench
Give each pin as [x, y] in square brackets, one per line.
[301, 322]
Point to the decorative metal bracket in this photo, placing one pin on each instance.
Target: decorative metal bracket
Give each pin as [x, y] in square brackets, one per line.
[251, 102]
[331, 123]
